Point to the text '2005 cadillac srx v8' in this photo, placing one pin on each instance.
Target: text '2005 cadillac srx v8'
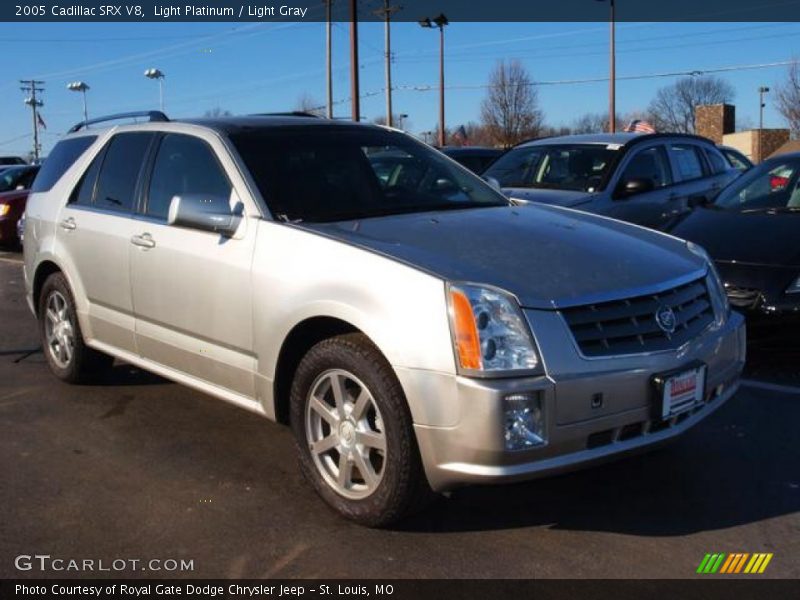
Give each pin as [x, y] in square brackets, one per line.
[416, 330]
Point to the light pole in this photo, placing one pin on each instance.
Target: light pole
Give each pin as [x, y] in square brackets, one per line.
[761, 91]
[402, 118]
[80, 86]
[441, 22]
[156, 74]
[328, 59]
[612, 76]
[387, 11]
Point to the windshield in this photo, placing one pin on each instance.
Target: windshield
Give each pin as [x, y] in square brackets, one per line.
[335, 174]
[563, 167]
[13, 178]
[771, 186]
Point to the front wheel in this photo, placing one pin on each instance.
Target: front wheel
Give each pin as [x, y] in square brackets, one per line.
[354, 434]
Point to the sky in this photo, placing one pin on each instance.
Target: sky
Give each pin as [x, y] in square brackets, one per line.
[266, 67]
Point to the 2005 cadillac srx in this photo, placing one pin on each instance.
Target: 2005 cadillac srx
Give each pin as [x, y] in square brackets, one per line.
[416, 330]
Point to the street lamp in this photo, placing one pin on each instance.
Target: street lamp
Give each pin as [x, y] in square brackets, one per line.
[156, 74]
[440, 22]
[761, 91]
[612, 77]
[402, 118]
[80, 86]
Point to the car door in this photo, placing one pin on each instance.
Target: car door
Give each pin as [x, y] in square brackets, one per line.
[693, 176]
[647, 164]
[192, 288]
[94, 230]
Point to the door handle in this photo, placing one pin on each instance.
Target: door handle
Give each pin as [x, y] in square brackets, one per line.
[143, 241]
[68, 224]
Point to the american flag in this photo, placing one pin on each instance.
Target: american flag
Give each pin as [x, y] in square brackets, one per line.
[460, 136]
[640, 126]
[40, 120]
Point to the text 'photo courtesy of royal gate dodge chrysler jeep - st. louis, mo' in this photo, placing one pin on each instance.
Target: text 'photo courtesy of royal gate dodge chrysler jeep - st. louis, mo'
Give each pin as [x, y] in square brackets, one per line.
[417, 335]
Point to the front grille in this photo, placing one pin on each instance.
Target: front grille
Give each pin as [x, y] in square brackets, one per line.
[743, 297]
[629, 326]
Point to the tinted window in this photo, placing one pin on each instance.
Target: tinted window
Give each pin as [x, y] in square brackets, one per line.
[184, 165]
[61, 158]
[16, 178]
[687, 161]
[718, 164]
[338, 173]
[738, 161]
[83, 194]
[771, 186]
[650, 164]
[558, 167]
[116, 184]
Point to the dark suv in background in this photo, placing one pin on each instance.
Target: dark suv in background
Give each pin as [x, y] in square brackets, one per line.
[646, 179]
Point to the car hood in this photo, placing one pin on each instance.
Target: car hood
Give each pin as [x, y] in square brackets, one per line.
[755, 238]
[547, 257]
[556, 197]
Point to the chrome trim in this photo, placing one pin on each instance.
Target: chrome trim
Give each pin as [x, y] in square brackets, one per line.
[679, 350]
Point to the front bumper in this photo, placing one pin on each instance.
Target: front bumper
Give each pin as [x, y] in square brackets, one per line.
[579, 433]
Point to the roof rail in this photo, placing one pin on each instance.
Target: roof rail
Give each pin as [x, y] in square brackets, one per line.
[292, 113]
[154, 115]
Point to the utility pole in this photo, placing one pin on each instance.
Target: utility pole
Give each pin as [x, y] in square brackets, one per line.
[354, 87]
[31, 86]
[612, 68]
[328, 58]
[387, 11]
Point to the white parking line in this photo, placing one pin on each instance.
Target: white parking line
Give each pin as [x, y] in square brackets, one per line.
[772, 387]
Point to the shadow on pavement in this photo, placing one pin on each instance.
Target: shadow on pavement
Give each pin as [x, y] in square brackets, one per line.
[737, 467]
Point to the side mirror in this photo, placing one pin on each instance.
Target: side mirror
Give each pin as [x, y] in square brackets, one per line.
[494, 183]
[444, 185]
[204, 212]
[637, 185]
[698, 200]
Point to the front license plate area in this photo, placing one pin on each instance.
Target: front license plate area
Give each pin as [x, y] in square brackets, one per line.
[681, 390]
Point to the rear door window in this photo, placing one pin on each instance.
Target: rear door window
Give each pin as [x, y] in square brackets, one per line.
[119, 174]
[716, 160]
[61, 157]
[687, 161]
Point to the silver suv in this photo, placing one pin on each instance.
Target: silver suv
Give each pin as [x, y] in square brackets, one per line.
[417, 332]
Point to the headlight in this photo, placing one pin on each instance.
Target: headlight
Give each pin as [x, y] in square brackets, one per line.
[4, 209]
[794, 288]
[716, 289]
[489, 331]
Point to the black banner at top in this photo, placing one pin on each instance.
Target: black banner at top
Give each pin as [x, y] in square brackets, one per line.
[411, 10]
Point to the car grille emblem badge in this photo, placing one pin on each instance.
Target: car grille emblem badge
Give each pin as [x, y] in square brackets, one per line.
[665, 319]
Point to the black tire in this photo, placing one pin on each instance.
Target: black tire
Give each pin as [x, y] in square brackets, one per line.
[403, 488]
[85, 364]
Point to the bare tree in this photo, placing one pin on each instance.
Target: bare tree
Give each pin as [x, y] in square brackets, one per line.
[510, 112]
[673, 108]
[306, 103]
[217, 112]
[787, 98]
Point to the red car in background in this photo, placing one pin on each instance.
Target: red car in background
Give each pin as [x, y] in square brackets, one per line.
[15, 184]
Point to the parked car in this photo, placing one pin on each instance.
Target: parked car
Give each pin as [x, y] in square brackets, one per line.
[12, 160]
[735, 158]
[644, 179]
[416, 337]
[752, 230]
[475, 158]
[15, 183]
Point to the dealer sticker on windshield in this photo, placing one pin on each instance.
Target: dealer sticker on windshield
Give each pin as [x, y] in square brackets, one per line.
[683, 391]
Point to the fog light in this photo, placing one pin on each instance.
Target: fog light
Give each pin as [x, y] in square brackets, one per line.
[524, 421]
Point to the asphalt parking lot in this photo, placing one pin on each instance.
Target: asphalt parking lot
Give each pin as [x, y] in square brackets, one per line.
[138, 467]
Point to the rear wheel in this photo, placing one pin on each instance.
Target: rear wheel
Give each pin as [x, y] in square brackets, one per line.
[354, 434]
[69, 358]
